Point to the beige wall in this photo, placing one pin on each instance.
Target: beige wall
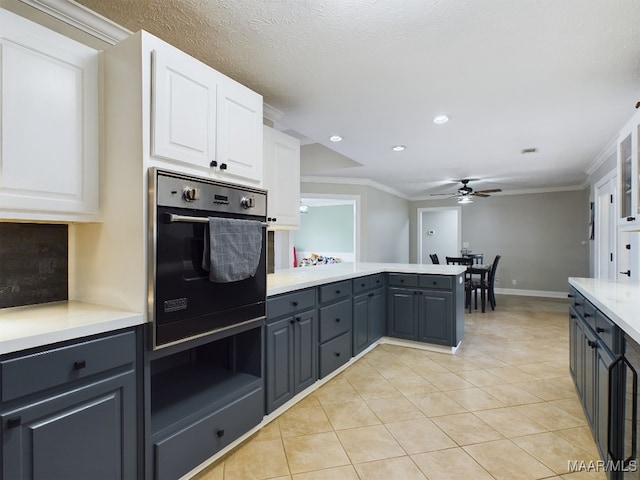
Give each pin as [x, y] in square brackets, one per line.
[543, 237]
[384, 220]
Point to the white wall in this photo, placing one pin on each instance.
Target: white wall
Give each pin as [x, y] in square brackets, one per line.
[440, 234]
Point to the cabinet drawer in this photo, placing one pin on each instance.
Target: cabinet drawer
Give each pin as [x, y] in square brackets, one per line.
[436, 281]
[403, 279]
[334, 354]
[189, 447]
[51, 368]
[290, 303]
[335, 291]
[335, 320]
[589, 313]
[577, 300]
[608, 332]
[367, 283]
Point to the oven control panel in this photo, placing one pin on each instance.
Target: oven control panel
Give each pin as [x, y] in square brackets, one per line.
[209, 196]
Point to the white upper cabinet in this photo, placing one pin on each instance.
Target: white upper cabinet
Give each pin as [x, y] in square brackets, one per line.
[183, 108]
[49, 129]
[282, 179]
[202, 122]
[629, 171]
[240, 131]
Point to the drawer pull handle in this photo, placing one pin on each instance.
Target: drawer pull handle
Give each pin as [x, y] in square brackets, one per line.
[337, 319]
[435, 283]
[586, 315]
[570, 296]
[337, 292]
[600, 329]
[297, 319]
[337, 354]
[371, 294]
[14, 422]
[293, 321]
[592, 344]
[220, 433]
[79, 364]
[362, 284]
[577, 304]
[295, 304]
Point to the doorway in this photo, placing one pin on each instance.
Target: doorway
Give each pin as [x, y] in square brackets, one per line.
[439, 232]
[604, 228]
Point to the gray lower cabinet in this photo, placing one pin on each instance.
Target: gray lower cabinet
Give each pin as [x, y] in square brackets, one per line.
[291, 346]
[594, 344]
[369, 314]
[423, 308]
[70, 411]
[334, 326]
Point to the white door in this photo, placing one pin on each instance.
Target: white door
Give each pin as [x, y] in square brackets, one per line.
[604, 230]
[439, 233]
[282, 171]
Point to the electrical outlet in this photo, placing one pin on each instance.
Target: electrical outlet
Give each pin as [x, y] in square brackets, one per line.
[513, 282]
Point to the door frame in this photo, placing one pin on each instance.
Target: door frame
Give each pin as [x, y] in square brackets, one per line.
[422, 210]
[608, 182]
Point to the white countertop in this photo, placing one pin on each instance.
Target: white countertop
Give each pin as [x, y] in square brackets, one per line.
[291, 279]
[620, 301]
[37, 325]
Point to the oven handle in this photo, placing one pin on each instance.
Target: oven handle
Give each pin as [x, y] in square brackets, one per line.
[172, 217]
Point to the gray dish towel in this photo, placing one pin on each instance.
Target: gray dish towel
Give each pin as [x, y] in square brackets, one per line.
[232, 249]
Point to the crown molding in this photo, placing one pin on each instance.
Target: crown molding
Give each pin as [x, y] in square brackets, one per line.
[609, 149]
[82, 18]
[271, 113]
[354, 181]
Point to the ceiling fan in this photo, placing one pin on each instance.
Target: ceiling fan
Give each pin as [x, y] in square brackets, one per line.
[466, 194]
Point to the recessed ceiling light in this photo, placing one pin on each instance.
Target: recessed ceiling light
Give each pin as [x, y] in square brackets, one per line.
[439, 119]
[335, 138]
[398, 148]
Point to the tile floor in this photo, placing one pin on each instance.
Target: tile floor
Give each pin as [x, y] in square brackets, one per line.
[502, 407]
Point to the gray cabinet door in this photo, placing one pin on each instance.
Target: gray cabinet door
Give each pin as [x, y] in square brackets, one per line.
[435, 317]
[603, 361]
[279, 362]
[377, 315]
[589, 391]
[305, 364]
[402, 316]
[89, 432]
[360, 323]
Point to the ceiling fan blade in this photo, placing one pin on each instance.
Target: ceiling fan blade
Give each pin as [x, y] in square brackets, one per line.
[480, 194]
[448, 194]
[493, 190]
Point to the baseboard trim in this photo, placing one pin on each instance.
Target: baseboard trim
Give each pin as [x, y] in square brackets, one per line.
[531, 293]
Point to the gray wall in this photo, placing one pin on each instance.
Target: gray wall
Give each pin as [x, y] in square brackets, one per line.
[384, 220]
[543, 237]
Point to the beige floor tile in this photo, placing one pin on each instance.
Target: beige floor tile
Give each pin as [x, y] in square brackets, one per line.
[466, 428]
[448, 381]
[270, 431]
[506, 461]
[365, 444]
[584, 475]
[548, 389]
[393, 370]
[308, 401]
[419, 436]
[474, 399]
[451, 464]
[213, 472]
[544, 369]
[550, 416]
[580, 437]
[569, 405]
[511, 374]
[436, 404]
[509, 422]
[314, 452]
[257, 460]
[401, 467]
[348, 472]
[350, 415]
[424, 366]
[303, 421]
[511, 395]
[412, 385]
[395, 409]
[481, 378]
[338, 390]
[373, 389]
[552, 450]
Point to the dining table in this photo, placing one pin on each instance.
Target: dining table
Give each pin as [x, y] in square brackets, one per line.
[482, 270]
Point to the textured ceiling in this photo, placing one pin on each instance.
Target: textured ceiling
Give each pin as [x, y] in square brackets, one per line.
[558, 75]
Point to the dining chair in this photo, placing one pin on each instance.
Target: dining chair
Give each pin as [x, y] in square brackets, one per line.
[491, 282]
[434, 258]
[468, 283]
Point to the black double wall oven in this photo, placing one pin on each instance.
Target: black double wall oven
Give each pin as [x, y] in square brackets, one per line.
[184, 301]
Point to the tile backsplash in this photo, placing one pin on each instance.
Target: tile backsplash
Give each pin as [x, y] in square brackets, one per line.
[33, 263]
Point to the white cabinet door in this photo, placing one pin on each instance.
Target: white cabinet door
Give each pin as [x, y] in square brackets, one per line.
[628, 171]
[282, 179]
[49, 130]
[184, 93]
[239, 131]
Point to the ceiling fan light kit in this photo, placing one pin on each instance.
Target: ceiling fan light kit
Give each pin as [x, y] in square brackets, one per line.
[465, 193]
